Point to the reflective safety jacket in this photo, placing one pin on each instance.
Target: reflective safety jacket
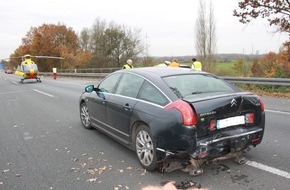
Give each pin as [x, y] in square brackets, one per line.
[174, 64]
[197, 66]
[127, 66]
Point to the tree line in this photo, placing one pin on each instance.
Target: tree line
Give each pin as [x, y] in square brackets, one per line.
[270, 65]
[102, 45]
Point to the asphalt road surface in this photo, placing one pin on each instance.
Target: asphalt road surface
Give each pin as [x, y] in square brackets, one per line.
[43, 146]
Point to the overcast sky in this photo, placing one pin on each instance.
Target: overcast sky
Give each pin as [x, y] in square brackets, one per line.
[168, 24]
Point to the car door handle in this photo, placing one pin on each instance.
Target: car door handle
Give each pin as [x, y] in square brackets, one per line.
[127, 107]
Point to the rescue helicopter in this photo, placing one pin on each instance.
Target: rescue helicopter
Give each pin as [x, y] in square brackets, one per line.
[28, 69]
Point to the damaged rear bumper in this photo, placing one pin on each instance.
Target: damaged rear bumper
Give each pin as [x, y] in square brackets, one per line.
[231, 144]
[229, 141]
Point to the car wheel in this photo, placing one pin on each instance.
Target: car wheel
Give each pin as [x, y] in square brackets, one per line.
[85, 118]
[145, 148]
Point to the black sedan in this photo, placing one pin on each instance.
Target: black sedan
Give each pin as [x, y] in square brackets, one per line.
[174, 118]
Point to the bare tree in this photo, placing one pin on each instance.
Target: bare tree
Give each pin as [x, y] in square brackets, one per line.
[205, 35]
[112, 44]
[211, 40]
[84, 39]
[133, 45]
[97, 43]
[200, 33]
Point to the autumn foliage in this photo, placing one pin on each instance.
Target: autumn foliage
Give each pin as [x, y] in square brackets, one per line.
[277, 12]
[52, 40]
[104, 45]
[273, 65]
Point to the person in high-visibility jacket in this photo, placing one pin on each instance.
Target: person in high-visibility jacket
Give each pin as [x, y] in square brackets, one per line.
[174, 63]
[54, 70]
[129, 64]
[196, 65]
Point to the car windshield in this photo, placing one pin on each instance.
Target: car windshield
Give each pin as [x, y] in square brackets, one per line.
[197, 85]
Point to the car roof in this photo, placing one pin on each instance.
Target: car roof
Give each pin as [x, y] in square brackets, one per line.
[161, 71]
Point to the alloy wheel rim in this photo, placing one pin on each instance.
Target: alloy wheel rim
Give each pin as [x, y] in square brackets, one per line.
[144, 148]
[85, 116]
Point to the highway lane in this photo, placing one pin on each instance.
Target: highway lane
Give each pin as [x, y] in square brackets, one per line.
[277, 104]
[43, 146]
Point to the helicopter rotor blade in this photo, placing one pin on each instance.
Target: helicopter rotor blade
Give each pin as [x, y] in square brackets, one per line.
[48, 57]
[12, 58]
[36, 56]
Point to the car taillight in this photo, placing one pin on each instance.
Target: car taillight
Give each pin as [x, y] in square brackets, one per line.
[262, 105]
[250, 118]
[256, 139]
[212, 125]
[187, 113]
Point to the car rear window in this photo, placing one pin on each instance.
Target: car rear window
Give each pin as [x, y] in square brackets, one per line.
[197, 84]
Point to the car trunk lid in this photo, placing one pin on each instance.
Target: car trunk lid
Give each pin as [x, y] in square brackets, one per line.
[225, 111]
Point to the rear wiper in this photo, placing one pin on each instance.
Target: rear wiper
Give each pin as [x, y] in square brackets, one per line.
[192, 93]
[176, 91]
[197, 92]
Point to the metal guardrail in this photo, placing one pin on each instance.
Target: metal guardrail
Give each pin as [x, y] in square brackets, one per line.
[237, 80]
[90, 70]
[92, 75]
[259, 81]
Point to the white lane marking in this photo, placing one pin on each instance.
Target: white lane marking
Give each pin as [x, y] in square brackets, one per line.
[43, 93]
[269, 169]
[27, 136]
[277, 111]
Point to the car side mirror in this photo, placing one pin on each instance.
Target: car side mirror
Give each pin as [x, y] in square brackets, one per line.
[90, 88]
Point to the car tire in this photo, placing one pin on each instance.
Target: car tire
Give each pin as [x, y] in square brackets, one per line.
[145, 148]
[85, 117]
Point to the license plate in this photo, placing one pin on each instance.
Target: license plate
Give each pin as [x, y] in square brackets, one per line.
[231, 121]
